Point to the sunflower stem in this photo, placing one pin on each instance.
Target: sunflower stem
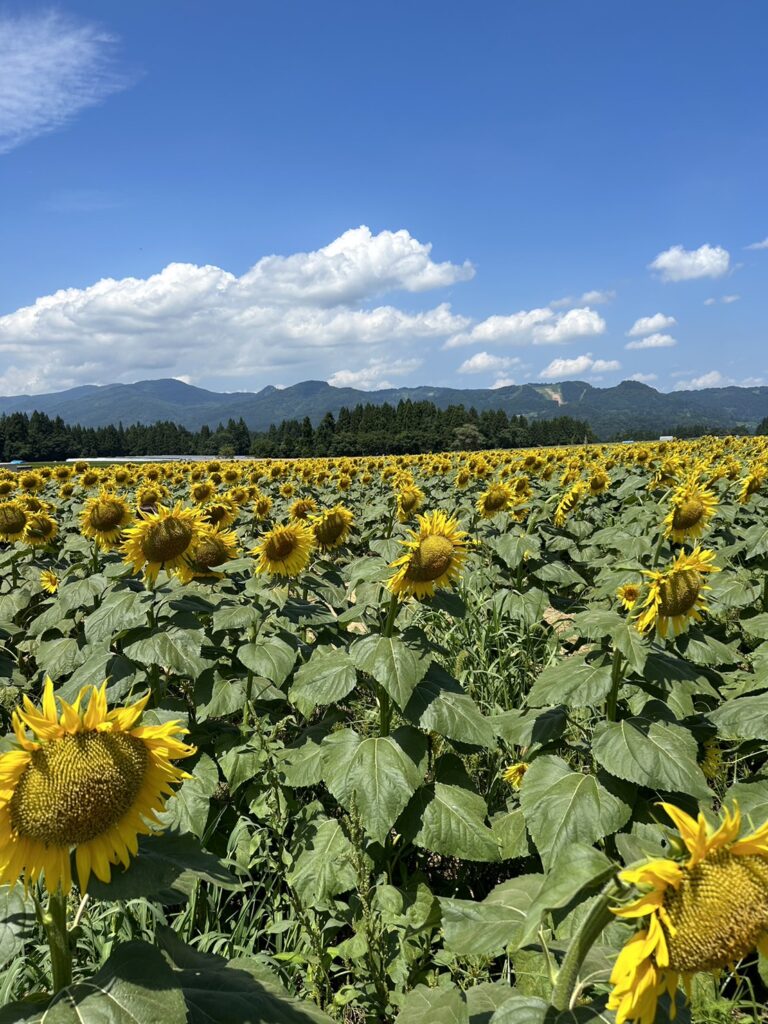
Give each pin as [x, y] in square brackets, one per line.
[617, 677]
[567, 977]
[55, 924]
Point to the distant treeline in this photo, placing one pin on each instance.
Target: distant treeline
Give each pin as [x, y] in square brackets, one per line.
[408, 427]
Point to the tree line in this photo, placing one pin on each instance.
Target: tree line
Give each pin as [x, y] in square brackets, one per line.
[406, 428]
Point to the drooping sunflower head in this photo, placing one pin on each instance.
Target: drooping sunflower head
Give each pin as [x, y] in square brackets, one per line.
[410, 498]
[161, 539]
[303, 508]
[83, 778]
[434, 557]
[284, 550]
[676, 594]
[262, 507]
[202, 491]
[222, 512]
[13, 519]
[599, 482]
[7, 487]
[103, 518]
[569, 501]
[40, 530]
[692, 509]
[332, 527]
[212, 546]
[704, 914]
[496, 498]
[150, 496]
[752, 484]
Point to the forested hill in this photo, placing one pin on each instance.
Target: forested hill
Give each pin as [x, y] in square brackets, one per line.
[609, 411]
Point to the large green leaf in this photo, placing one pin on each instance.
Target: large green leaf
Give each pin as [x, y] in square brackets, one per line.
[327, 677]
[745, 718]
[377, 776]
[58, 657]
[426, 1005]
[577, 682]
[394, 664]
[324, 868]
[562, 807]
[269, 657]
[658, 755]
[439, 704]
[521, 1009]
[119, 612]
[17, 922]
[187, 810]
[488, 927]
[171, 648]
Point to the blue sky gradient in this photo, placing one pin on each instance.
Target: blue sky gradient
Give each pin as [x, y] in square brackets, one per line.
[558, 146]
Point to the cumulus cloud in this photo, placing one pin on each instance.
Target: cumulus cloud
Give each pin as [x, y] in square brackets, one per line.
[679, 264]
[591, 298]
[292, 312]
[51, 68]
[758, 245]
[650, 324]
[644, 378]
[534, 326]
[712, 379]
[653, 341]
[484, 362]
[375, 374]
[561, 368]
[502, 382]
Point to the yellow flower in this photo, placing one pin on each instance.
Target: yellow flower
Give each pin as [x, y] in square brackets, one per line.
[222, 512]
[751, 484]
[410, 498]
[599, 482]
[497, 498]
[434, 557]
[303, 508]
[161, 539]
[628, 594]
[569, 501]
[332, 527]
[692, 508]
[284, 550]
[703, 915]
[202, 491]
[49, 581]
[262, 506]
[13, 519]
[515, 773]
[89, 779]
[212, 546]
[104, 518]
[675, 594]
[40, 530]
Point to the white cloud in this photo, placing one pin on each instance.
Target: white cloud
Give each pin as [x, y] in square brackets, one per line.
[51, 68]
[758, 245]
[644, 378]
[484, 362]
[709, 302]
[375, 374]
[503, 382]
[576, 323]
[650, 324]
[712, 379]
[728, 299]
[299, 311]
[597, 298]
[562, 368]
[653, 341]
[533, 326]
[679, 264]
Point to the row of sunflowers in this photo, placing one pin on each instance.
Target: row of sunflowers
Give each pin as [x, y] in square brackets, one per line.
[467, 736]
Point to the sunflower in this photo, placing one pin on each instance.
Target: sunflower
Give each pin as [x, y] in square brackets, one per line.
[31, 482]
[628, 595]
[692, 508]
[88, 779]
[161, 539]
[434, 557]
[7, 487]
[410, 498]
[150, 496]
[303, 508]
[704, 914]
[221, 513]
[284, 550]
[212, 546]
[569, 501]
[332, 527]
[515, 773]
[675, 594]
[40, 530]
[13, 519]
[497, 498]
[599, 482]
[202, 491]
[49, 581]
[104, 518]
[262, 506]
[751, 484]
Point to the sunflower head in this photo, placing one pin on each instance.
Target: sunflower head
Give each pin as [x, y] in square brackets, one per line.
[81, 778]
[49, 581]
[13, 519]
[303, 508]
[629, 594]
[161, 539]
[40, 530]
[332, 527]
[496, 498]
[222, 512]
[434, 557]
[676, 594]
[515, 773]
[410, 498]
[692, 509]
[104, 518]
[262, 507]
[212, 546]
[284, 550]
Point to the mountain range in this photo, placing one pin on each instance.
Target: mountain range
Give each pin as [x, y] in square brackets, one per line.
[628, 405]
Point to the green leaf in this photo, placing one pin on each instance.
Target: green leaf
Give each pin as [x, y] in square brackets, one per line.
[187, 809]
[511, 834]
[269, 657]
[17, 922]
[439, 704]
[659, 755]
[166, 869]
[238, 617]
[324, 868]
[394, 664]
[752, 798]
[484, 1000]
[514, 549]
[631, 644]
[240, 991]
[58, 657]
[377, 776]
[327, 677]
[432, 1005]
[521, 1010]
[135, 986]
[745, 718]
[756, 626]
[172, 648]
[488, 927]
[563, 807]
[577, 682]
[119, 612]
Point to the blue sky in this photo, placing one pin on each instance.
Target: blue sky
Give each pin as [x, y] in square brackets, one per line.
[411, 193]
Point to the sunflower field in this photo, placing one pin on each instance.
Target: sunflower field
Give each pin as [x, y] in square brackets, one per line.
[474, 738]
